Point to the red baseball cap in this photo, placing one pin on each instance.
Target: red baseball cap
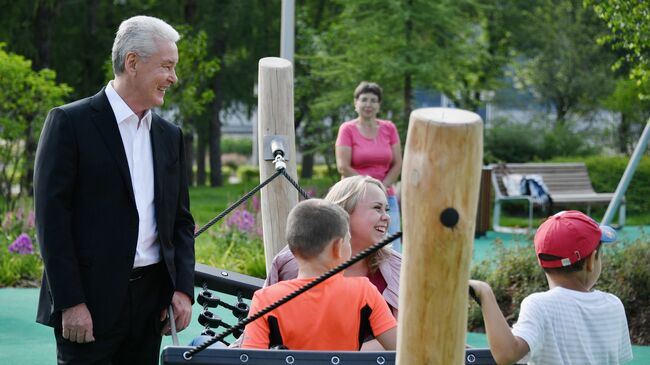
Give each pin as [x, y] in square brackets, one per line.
[570, 235]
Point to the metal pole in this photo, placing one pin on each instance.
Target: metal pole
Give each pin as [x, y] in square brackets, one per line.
[627, 175]
[287, 30]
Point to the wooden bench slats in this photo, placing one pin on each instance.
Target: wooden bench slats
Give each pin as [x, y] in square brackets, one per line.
[568, 183]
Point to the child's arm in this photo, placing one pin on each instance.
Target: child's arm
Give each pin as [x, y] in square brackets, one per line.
[388, 339]
[505, 347]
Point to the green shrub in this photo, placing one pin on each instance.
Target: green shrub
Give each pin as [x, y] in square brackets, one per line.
[227, 170]
[247, 173]
[242, 146]
[510, 141]
[514, 274]
[20, 261]
[626, 273]
[562, 141]
[20, 270]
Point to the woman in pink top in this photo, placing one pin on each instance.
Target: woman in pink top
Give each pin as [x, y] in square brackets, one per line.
[370, 146]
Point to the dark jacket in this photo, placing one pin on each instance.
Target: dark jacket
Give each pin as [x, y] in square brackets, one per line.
[86, 216]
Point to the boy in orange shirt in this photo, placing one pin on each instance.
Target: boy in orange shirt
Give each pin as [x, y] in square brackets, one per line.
[336, 314]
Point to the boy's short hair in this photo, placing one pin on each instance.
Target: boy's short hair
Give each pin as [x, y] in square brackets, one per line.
[312, 224]
[565, 239]
[368, 87]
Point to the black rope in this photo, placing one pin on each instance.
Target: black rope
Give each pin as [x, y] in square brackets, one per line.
[237, 203]
[295, 184]
[187, 355]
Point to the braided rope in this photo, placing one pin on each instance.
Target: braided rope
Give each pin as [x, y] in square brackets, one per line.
[237, 203]
[295, 184]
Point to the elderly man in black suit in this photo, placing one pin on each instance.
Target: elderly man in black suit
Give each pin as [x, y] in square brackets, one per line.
[112, 210]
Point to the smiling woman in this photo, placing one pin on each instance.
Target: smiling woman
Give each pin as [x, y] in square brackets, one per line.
[364, 198]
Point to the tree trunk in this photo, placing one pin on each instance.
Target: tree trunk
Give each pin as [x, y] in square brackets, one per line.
[408, 96]
[200, 161]
[623, 134]
[307, 164]
[216, 179]
[188, 137]
[408, 88]
[43, 28]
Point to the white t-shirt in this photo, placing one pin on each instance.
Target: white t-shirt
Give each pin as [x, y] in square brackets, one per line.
[563, 326]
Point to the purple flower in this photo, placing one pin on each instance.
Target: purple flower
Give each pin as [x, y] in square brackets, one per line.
[31, 219]
[22, 245]
[241, 219]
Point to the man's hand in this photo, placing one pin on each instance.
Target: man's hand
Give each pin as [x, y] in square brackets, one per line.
[77, 324]
[182, 306]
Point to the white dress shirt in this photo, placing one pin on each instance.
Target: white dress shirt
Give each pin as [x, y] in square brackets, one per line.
[137, 146]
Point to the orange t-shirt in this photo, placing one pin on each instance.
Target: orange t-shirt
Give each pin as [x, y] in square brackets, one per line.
[326, 317]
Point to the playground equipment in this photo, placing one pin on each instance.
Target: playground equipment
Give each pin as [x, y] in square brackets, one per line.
[440, 180]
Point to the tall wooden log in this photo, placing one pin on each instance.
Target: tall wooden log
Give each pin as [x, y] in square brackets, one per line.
[275, 118]
[440, 186]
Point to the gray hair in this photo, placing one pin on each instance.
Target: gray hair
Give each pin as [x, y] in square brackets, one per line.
[139, 34]
[312, 224]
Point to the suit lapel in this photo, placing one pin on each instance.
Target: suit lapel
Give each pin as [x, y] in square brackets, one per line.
[104, 120]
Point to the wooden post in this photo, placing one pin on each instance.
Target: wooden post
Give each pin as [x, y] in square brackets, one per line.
[440, 186]
[275, 118]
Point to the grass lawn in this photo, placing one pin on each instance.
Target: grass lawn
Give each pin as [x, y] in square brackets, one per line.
[207, 202]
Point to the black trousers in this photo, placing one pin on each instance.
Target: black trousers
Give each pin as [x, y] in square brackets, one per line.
[135, 337]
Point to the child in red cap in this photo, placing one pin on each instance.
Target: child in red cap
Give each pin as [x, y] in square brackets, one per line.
[571, 323]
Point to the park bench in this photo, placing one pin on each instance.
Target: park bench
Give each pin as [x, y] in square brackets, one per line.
[568, 185]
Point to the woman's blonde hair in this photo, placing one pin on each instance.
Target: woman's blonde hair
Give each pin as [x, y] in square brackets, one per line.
[346, 194]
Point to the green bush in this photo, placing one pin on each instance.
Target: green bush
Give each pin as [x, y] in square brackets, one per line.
[626, 273]
[242, 146]
[20, 261]
[510, 141]
[247, 173]
[514, 274]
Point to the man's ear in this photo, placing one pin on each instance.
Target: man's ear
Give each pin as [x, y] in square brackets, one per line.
[130, 62]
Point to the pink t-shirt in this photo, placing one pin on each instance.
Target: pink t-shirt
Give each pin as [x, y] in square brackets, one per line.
[370, 156]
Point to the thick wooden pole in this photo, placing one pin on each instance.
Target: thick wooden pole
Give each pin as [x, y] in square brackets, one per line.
[440, 186]
[275, 118]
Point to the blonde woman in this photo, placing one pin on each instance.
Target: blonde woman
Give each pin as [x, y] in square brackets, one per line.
[364, 198]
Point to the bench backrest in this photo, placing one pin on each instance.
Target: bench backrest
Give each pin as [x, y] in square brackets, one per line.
[563, 178]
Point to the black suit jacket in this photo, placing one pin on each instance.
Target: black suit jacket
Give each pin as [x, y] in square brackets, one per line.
[86, 216]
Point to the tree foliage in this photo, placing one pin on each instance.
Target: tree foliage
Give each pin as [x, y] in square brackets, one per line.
[629, 28]
[25, 98]
[561, 61]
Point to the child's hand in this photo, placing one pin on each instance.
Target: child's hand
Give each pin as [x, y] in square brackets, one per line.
[480, 288]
